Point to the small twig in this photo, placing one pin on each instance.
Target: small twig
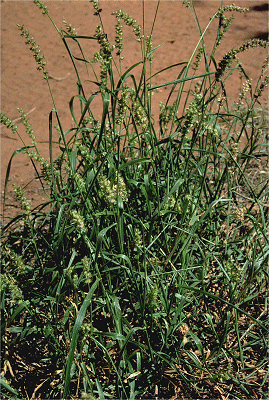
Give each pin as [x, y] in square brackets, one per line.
[37, 388]
[59, 79]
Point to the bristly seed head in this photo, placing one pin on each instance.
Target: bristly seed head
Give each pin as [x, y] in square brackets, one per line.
[41, 5]
[35, 49]
[110, 193]
[96, 6]
[119, 38]
[25, 205]
[130, 22]
[152, 297]
[7, 283]
[230, 8]
[78, 221]
[149, 48]
[27, 125]
[231, 55]
[70, 28]
[9, 124]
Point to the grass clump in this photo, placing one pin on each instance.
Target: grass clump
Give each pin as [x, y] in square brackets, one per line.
[145, 272]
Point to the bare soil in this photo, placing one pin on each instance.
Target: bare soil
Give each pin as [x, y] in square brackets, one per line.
[23, 86]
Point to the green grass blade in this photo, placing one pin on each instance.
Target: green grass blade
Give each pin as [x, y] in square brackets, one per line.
[106, 101]
[17, 151]
[6, 386]
[185, 79]
[75, 334]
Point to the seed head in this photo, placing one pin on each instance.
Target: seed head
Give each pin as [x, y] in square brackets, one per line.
[7, 283]
[139, 114]
[78, 220]
[34, 48]
[119, 37]
[198, 59]
[123, 105]
[25, 205]
[41, 5]
[230, 8]
[9, 124]
[130, 22]
[149, 48]
[96, 6]
[110, 193]
[27, 125]
[70, 28]
[18, 263]
[138, 238]
[106, 191]
[87, 270]
[152, 297]
[44, 166]
[80, 182]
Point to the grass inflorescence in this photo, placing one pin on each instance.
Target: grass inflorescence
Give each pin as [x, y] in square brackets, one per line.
[144, 273]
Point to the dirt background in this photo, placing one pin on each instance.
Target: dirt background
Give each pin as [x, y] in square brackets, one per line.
[23, 86]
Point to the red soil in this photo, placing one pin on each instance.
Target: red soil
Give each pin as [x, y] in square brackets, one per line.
[23, 86]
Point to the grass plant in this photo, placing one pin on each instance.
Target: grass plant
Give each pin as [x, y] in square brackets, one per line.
[144, 274]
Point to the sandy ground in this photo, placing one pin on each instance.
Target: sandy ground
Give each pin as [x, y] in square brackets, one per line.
[23, 86]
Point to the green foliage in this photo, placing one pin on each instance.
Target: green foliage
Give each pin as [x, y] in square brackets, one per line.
[147, 266]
